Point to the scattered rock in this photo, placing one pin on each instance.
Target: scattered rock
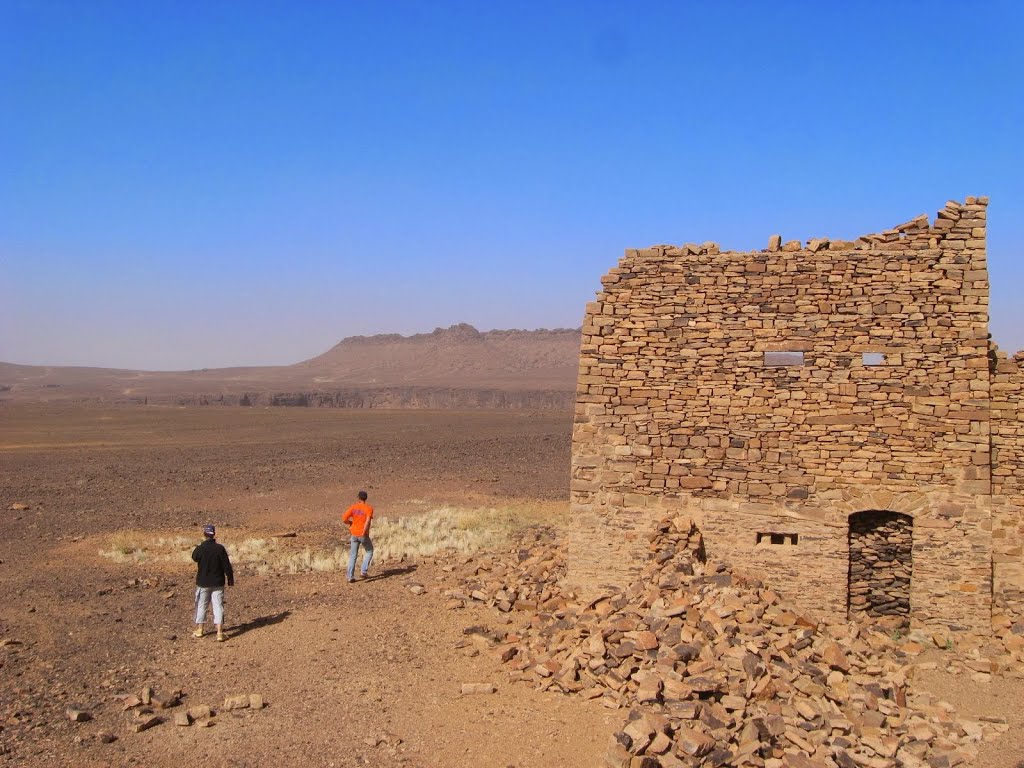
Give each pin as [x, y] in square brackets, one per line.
[168, 700]
[469, 689]
[18, 507]
[78, 716]
[129, 702]
[144, 723]
[182, 719]
[240, 701]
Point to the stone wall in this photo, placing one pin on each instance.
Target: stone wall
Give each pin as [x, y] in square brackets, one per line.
[1008, 484]
[781, 391]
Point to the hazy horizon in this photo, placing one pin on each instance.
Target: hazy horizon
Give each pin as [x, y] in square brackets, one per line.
[293, 362]
[207, 186]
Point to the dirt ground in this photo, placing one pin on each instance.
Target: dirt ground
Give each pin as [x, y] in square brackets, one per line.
[352, 674]
[359, 674]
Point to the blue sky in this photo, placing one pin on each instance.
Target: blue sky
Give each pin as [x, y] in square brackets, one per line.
[191, 185]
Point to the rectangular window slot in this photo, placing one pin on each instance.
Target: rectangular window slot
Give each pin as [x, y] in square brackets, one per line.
[874, 358]
[774, 359]
[777, 539]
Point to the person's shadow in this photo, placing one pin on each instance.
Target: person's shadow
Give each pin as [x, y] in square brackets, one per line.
[257, 623]
[390, 572]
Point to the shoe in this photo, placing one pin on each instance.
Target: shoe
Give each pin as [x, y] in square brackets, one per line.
[350, 581]
[198, 632]
[220, 637]
[363, 575]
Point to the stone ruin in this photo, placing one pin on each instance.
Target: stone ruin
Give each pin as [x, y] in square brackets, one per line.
[833, 415]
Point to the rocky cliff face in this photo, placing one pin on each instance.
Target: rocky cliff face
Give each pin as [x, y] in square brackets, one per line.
[459, 356]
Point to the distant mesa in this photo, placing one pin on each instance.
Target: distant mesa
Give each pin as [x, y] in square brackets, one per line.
[455, 367]
[458, 332]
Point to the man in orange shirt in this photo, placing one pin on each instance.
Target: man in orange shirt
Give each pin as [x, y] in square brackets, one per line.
[358, 518]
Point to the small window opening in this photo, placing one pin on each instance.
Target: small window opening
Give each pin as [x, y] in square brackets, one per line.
[783, 358]
[778, 539]
[874, 358]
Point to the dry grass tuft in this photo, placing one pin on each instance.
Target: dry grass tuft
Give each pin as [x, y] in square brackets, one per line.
[139, 548]
[445, 529]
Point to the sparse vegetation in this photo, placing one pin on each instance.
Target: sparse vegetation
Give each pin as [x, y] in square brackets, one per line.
[138, 548]
[445, 529]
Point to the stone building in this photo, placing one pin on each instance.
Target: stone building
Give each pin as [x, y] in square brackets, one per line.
[832, 414]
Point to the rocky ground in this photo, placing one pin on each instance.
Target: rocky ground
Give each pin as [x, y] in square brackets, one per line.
[459, 661]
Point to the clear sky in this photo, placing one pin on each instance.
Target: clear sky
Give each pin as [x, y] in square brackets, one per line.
[201, 184]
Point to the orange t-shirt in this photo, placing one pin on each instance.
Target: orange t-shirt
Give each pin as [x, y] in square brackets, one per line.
[358, 518]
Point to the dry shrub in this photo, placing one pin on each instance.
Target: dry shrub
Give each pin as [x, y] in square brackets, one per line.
[133, 547]
[444, 529]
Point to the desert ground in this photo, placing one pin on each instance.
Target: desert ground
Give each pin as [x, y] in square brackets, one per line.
[99, 590]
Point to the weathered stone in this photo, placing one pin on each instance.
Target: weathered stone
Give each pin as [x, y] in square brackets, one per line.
[797, 760]
[239, 701]
[693, 742]
[144, 723]
[130, 702]
[470, 689]
[162, 700]
[649, 690]
[834, 656]
[617, 756]
[660, 744]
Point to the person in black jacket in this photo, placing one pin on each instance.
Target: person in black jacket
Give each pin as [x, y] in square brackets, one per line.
[214, 569]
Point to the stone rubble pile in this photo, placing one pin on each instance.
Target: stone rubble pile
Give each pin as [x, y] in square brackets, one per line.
[529, 584]
[715, 668]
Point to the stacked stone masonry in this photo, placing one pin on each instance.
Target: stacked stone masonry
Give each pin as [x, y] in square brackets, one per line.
[773, 394]
[880, 564]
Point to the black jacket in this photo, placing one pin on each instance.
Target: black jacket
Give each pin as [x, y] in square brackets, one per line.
[214, 565]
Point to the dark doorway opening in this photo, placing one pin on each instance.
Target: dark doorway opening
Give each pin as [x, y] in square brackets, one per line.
[881, 566]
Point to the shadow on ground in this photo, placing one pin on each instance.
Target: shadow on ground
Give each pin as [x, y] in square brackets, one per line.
[390, 572]
[257, 623]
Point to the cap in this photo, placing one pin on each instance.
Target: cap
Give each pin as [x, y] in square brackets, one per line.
[209, 530]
